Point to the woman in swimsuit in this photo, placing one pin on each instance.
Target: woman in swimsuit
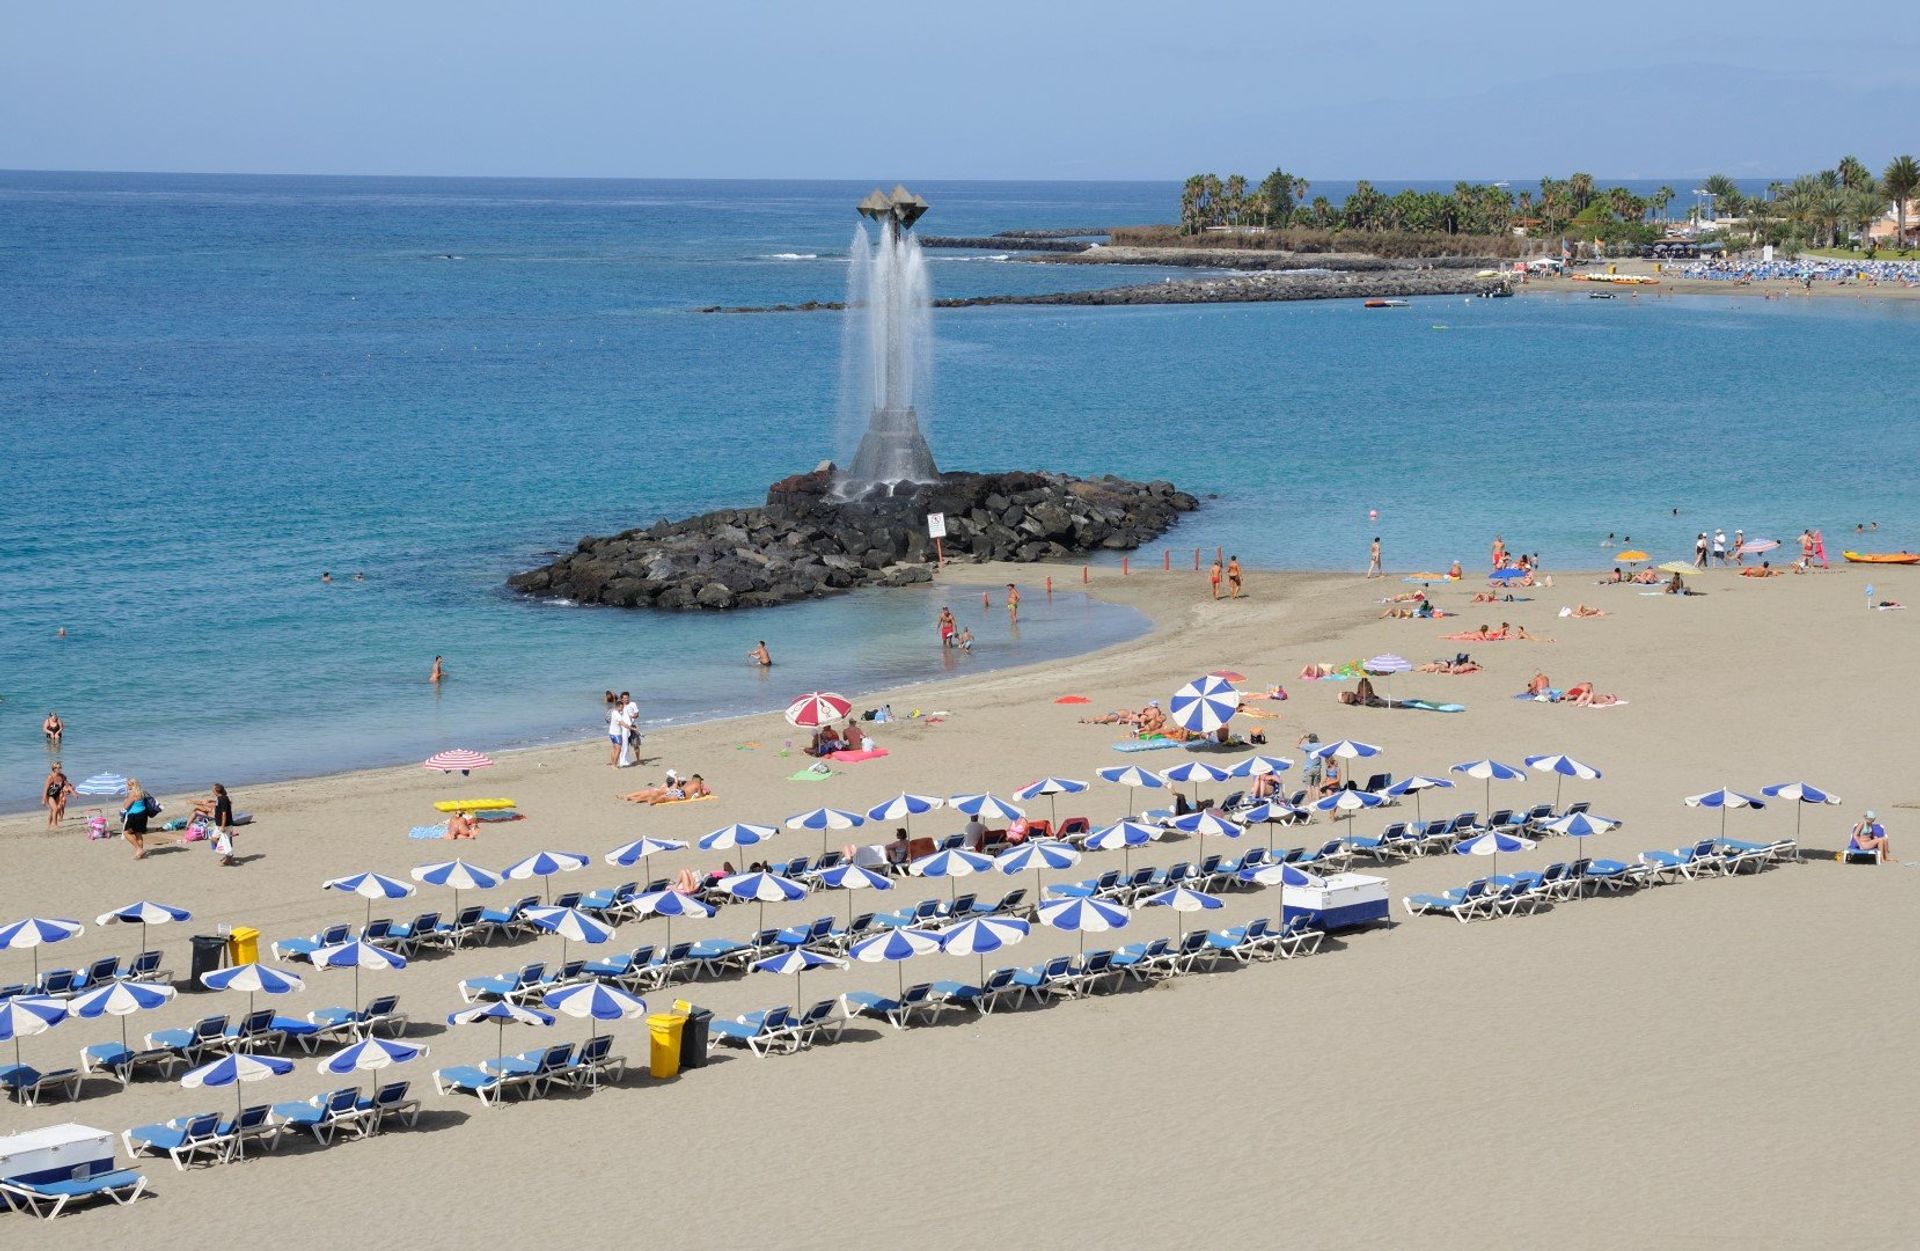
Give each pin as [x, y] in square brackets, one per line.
[56, 793]
[133, 818]
[53, 728]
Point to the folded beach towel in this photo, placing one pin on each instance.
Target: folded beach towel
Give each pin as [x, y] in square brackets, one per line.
[428, 831]
[499, 816]
[1145, 744]
[855, 757]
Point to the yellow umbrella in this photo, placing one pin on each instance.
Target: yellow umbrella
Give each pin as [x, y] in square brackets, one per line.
[1631, 558]
[1675, 566]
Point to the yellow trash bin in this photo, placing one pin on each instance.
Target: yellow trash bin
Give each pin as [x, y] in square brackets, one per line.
[664, 1029]
[243, 945]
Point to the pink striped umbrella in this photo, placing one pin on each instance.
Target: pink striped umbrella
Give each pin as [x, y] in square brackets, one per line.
[458, 761]
[817, 708]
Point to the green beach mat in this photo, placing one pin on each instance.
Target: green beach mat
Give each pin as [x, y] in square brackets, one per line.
[808, 775]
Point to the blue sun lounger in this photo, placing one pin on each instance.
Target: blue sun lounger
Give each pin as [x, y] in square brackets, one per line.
[183, 1139]
[47, 1199]
[761, 1033]
[895, 1012]
[118, 1063]
[1462, 903]
[325, 1116]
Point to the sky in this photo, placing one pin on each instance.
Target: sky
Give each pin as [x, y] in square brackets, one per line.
[1121, 89]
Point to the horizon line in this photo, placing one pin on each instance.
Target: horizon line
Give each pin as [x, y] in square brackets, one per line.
[1174, 179]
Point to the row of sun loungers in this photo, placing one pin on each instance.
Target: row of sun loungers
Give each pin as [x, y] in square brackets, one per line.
[778, 1031]
[532, 1074]
[1512, 893]
[59, 983]
[213, 1138]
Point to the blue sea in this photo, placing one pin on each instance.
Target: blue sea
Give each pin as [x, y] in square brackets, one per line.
[214, 388]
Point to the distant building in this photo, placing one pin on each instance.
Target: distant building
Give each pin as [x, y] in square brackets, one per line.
[1887, 225]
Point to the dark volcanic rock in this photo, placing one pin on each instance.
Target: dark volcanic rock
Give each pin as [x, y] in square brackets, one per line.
[807, 541]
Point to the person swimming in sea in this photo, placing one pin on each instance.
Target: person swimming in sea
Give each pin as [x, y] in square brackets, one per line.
[439, 672]
[760, 656]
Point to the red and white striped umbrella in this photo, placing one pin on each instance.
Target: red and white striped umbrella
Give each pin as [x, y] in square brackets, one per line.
[817, 708]
[458, 761]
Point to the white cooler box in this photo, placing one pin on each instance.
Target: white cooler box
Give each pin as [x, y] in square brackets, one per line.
[56, 1153]
[1342, 901]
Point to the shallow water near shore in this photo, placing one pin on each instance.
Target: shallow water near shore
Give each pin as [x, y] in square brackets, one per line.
[215, 388]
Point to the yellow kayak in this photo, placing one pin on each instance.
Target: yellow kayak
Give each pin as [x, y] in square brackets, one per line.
[474, 805]
[1883, 558]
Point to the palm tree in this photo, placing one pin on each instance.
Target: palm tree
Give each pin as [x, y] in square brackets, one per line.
[1900, 180]
[1725, 193]
[1660, 200]
[1235, 199]
[1190, 205]
[1581, 186]
[1853, 175]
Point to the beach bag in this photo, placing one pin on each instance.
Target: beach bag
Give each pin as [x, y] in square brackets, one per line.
[97, 826]
[222, 843]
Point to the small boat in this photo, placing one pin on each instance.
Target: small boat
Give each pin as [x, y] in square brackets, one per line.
[1385, 304]
[1599, 295]
[1883, 558]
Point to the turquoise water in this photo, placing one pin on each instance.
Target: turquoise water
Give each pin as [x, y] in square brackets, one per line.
[215, 388]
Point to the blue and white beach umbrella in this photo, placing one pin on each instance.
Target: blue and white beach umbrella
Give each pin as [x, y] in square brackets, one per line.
[1724, 799]
[457, 874]
[498, 1013]
[1489, 772]
[1414, 785]
[34, 933]
[28, 1014]
[1268, 813]
[670, 904]
[1259, 766]
[1036, 854]
[234, 1070]
[146, 912]
[953, 863]
[1052, 788]
[626, 855]
[572, 925]
[102, 786]
[1347, 801]
[1133, 777]
[358, 955]
[595, 1001]
[825, 820]
[1123, 836]
[986, 806]
[798, 961]
[544, 864]
[1579, 825]
[369, 886]
[1492, 843]
[1562, 768]
[1278, 875]
[763, 888]
[980, 935]
[850, 878]
[736, 835]
[1083, 917]
[1343, 749]
[1182, 901]
[1204, 704]
[254, 979]
[1209, 822]
[121, 999]
[1800, 794]
[905, 807]
[895, 945]
[369, 1055]
[1194, 771]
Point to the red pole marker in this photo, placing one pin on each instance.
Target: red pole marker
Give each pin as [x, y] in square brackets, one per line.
[984, 601]
[1086, 574]
[940, 553]
[1196, 560]
[1049, 586]
[1123, 566]
[1166, 558]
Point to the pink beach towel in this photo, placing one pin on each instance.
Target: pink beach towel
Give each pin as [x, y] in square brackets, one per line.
[855, 757]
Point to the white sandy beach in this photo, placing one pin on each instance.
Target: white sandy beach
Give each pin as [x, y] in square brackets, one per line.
[1715, 1063]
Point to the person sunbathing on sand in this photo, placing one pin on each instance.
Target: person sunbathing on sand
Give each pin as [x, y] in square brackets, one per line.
[1581, 695]
[1869, 835]
[1405, 597]
[1519, 633]
[1764, 570]
[462, 825]
[1581, 610]
[1119, 716]
[1646, 577]
[672, 790]
[1422, 611]
[1538, 684]
[1459, 664]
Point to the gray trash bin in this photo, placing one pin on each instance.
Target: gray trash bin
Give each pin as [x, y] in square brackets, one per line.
[693, 1039]
[209, 953]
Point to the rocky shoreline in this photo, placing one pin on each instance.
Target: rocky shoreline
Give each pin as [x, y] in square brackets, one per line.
[1263, 287]
[1051, 245]
[806, 542]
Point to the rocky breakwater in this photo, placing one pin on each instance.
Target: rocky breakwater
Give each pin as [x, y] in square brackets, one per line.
[806, 541]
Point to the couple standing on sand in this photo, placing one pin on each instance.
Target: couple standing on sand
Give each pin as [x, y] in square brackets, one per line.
[1233, 576]
[623, 730]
